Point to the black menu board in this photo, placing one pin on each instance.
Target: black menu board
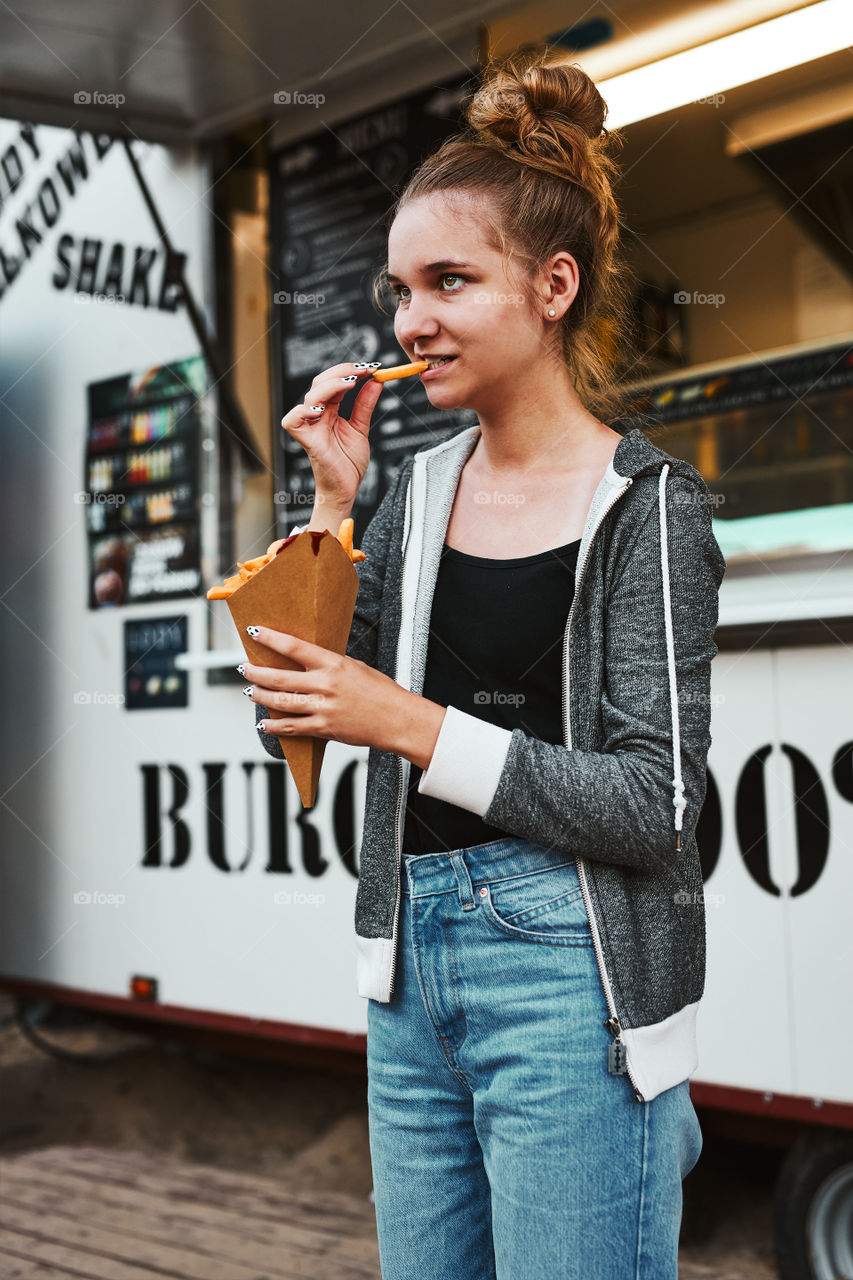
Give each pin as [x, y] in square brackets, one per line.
[331, 193]
[150, 677]
[142, 485]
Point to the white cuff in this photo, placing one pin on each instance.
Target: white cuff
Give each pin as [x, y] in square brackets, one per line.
[467, 762]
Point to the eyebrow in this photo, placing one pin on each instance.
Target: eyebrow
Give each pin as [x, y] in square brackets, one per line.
[432, 267]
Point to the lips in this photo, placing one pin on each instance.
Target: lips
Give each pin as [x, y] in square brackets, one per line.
[436, 359]
[438, 362]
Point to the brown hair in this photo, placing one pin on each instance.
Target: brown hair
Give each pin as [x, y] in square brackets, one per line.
[536, 148]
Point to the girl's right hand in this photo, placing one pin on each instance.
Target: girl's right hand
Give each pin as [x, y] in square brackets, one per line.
[338, 448]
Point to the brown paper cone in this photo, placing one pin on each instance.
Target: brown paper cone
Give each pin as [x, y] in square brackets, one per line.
[309, 591]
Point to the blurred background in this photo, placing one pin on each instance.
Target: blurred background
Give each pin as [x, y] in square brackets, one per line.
[192, 209]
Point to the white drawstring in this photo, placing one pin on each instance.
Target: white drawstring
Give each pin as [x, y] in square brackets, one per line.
[678, 785]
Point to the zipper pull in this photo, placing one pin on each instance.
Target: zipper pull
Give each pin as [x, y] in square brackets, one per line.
[617, 1055]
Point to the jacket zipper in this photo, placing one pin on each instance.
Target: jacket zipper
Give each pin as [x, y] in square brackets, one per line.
[398, 837]
[396, 875]
[617, 1058]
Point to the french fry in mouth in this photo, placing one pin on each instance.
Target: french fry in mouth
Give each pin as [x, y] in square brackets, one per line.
[401, 371]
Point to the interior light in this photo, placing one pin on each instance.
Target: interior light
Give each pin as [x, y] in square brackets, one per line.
[710, 69]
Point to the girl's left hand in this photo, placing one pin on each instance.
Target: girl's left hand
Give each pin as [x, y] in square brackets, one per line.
[334, 696]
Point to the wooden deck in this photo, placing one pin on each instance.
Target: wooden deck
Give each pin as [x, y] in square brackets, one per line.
[97, 1213]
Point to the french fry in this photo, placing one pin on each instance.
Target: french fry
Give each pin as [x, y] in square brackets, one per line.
[307, 590]
[246, 570]
[345, 535]
[400, 371]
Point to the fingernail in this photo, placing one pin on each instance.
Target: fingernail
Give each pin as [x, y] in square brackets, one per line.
[262, 725]
[351, 377]
[249, 690]
[374, 364]
[242, 668]
[361, 364]
[316, 408]
[254, 631]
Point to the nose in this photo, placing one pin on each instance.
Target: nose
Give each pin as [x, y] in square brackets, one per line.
[418, 322]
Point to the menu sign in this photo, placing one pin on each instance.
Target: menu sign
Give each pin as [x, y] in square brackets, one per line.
[142, 478]
[150, 648]
[758, 383]
[331, 194]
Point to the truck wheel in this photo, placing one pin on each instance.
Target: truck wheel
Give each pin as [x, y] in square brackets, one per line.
[813, 1208]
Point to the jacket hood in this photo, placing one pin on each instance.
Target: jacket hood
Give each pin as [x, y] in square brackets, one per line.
[636, 455]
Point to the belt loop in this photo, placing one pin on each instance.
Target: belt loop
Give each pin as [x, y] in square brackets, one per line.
[463, 879]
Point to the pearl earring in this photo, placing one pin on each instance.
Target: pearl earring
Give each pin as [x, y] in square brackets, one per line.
[551, 311]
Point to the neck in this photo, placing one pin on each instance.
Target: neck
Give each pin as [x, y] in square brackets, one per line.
[539, 426]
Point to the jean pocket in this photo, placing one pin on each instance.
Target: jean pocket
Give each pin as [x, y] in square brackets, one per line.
[543, 906]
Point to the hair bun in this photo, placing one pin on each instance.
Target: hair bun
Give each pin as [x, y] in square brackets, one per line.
[533, 172]
[549, 114]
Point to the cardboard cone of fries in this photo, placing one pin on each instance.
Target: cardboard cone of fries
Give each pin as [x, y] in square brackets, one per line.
[308, 590]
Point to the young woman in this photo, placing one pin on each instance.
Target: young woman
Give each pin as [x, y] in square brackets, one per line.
[530, 665]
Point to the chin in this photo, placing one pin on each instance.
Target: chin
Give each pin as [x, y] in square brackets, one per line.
[446, 397]
[448, 403]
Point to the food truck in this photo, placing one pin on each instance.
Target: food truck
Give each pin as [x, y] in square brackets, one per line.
[155, 863]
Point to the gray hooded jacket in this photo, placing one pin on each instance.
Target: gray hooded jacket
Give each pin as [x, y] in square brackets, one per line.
[624, 793]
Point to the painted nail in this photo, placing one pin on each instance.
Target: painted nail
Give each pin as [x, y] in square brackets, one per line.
[352, 377]
[242, 668]
[316, 408]
[374, 364]
[361, 364]
[249, 690]
[262, 726]
[254, 631]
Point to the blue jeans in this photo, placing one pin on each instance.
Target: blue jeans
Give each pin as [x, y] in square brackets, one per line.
[502, 1149]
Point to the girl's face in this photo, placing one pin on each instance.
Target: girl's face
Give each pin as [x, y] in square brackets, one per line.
[453, 298]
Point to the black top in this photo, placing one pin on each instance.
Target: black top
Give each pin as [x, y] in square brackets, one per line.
[495, 651]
